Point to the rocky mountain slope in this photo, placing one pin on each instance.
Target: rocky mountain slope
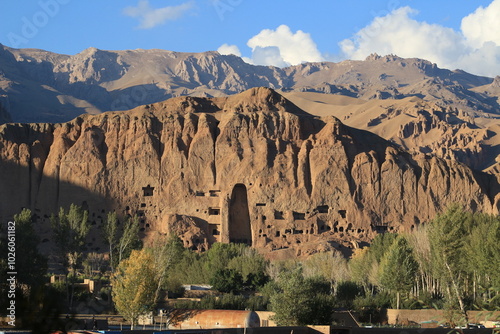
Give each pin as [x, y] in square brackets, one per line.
[419, 126]
[251, 168]
[411, 102]
[61, 87]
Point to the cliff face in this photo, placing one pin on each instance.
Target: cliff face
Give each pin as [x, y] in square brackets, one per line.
[250, 168]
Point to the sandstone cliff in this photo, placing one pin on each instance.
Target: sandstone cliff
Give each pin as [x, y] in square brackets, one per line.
[414, 124]
[250, 168]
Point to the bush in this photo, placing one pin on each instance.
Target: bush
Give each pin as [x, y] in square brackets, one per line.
[226, 302]
[373, 308]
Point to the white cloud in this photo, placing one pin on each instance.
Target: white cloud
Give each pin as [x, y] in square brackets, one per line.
[226, 49]
[280, 47]
[483, 25]
[399, 34]
[483, 61]
[286, 47]
[476, 48]
[150, 17]
[268, 56]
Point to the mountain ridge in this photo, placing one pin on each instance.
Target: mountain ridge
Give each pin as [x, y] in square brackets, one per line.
[411, 102]
[94, 80]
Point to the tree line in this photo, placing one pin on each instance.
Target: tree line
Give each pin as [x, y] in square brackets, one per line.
[450, 263]
[39, 304]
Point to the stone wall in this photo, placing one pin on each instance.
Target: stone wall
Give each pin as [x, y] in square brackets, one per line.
[417, 316]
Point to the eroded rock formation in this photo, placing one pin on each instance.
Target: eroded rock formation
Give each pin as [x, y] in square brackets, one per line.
[250, 168]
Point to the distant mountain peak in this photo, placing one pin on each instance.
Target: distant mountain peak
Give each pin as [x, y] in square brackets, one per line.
[373, 56]
[496, 81]
[257, 99]
[61, 87]
[261, 99]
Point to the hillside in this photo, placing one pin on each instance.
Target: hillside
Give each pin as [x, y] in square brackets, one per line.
[61, 87]
[252, 168]
[410, 102]
[419, 126]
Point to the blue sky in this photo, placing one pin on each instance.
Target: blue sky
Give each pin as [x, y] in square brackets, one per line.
[273, 32]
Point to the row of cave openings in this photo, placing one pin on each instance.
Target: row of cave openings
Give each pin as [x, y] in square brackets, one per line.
[314, 229]
[240, 223]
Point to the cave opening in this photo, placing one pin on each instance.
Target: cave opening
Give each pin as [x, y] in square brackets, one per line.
[239, 216]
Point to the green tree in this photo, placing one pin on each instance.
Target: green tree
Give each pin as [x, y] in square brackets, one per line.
[484, 247]
[227, 280]
[110, 234]
[251, 266]
[427, 286]
[346, 292]
[129, 238]
[70, 231]
[398, 268]
[483, 251]
[167, 252]
[364, 264]
[191, 269]
[31, 265]
[134, 285]
[361, 268]
[448, 235]
[299, 301]
[380, 245]
[219, 255]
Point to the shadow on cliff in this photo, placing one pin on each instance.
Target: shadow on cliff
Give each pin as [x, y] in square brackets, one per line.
[365, 141]
[20, 188]
[26, 187]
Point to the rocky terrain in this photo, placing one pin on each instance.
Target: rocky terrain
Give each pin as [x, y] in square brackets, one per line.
[419, 126]
[411, 102]
[62, 87]
[252, 168]
[325, 157]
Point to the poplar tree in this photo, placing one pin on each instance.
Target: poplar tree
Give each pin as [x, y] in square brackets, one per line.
[299, 301]
[129, 238]
[483, 250]
[448, 234]
[70, 231]
[110, 234]
[167, 252]
[398, 268]
[31, 265]
[134, 285]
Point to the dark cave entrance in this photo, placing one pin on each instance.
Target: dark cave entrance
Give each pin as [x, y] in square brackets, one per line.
[239, 216]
